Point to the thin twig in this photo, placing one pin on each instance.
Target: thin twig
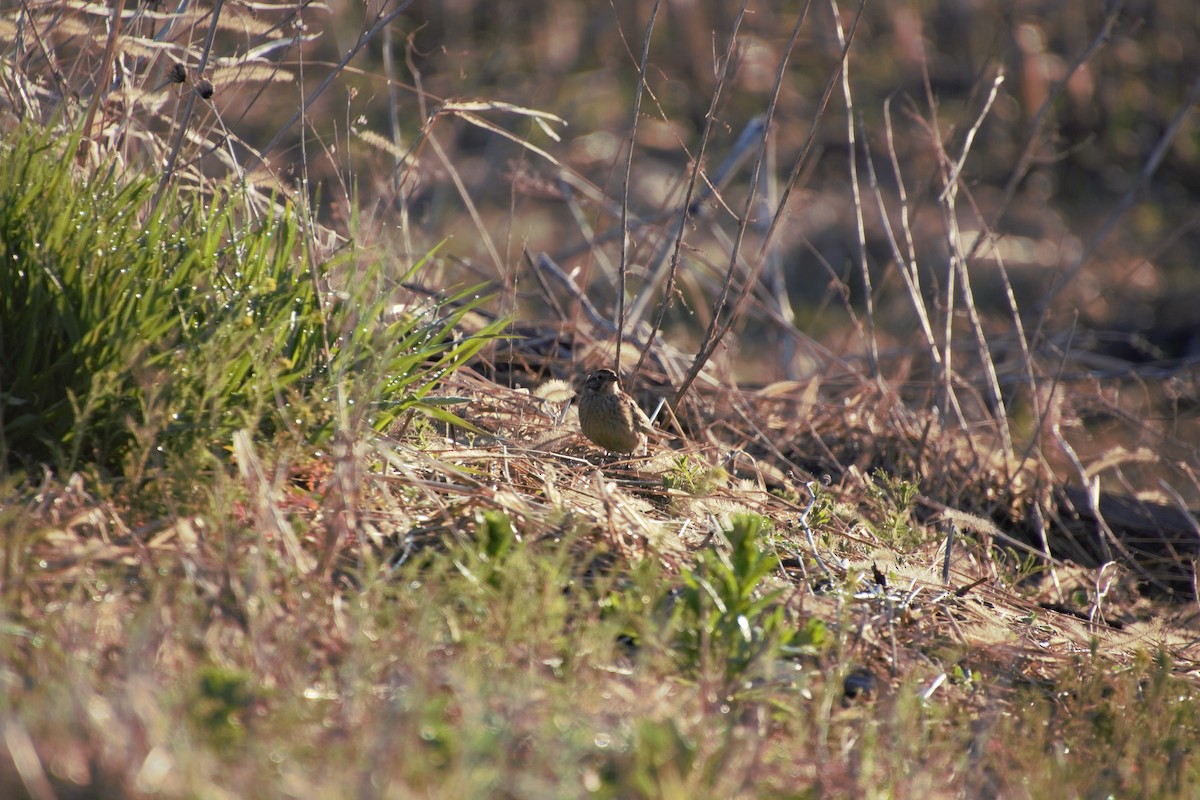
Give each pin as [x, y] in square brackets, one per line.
[545, 263]
[379, 25]
[959, 262]
[189, 106]
[690, 205]
[750, 137]
[713, 337]
[906, 263]
[623, 266]
[1127, 200]
[811, 486]
[484, 237]
[856, 193]
[1039, 119]
[949, 548]
[1182, 506]
[105, 78]
[26, 18]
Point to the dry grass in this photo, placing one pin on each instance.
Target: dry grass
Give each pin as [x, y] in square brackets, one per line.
[497, 608]
[494, 658]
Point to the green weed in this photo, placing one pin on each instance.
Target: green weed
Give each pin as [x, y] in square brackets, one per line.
[726, 620]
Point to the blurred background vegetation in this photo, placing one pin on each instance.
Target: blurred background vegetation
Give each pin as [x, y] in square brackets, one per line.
[1092, 127]
[503, 127]
[1090, 108]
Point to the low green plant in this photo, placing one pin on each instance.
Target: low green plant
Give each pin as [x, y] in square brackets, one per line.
[222, 696]
[127, 336]
[894, 500]
[485, 558]
[725, 618]
[658, 760]
[496, 534]
[690, 475]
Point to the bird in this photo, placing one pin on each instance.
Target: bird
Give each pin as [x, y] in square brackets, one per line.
[611, 418]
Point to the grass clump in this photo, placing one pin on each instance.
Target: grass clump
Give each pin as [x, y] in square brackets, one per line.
[130, 336]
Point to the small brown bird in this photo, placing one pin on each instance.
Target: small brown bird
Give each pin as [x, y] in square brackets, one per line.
[611, 418]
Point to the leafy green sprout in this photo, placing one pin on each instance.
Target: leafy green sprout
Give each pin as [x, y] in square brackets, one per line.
[693, 476]
[727, 615]
[895, 499]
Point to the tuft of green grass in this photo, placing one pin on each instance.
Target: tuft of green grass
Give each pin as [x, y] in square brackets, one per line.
[127, 338]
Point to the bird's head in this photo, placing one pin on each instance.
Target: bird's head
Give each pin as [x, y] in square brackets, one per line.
[602, 381]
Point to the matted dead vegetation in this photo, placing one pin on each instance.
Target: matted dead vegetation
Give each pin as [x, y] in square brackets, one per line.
[881, 355]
